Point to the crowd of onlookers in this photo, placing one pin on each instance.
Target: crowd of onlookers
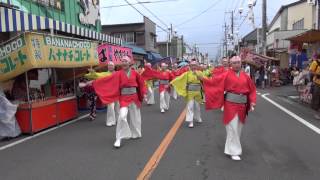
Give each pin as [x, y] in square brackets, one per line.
[305, 78]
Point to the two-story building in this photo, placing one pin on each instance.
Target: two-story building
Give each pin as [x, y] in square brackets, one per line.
[175, 48]
[142, 34]
[290, 20]
[252, 41]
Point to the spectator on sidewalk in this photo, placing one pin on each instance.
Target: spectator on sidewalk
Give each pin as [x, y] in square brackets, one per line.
[263, 76]
[315, 71]
[256, 77]
[247, 70]
[295, 75]
[301, 80]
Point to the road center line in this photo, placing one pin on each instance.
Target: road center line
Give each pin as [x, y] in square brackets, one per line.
[41, 133]
[157, 155]
[298, 118]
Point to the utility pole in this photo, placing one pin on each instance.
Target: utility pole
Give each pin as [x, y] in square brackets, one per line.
[232, 25]
[264, 26]
[169, 40]
[168, 37]
[232, 32]
[226, 39]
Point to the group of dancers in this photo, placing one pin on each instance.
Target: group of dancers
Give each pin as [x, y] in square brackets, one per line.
[224, 87]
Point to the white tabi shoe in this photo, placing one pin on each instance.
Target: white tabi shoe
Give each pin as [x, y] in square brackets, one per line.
[191, 125]
[117, 144]
[236, 158]
[199, 121]
[135, 137]
[110, 125]
[162, 110]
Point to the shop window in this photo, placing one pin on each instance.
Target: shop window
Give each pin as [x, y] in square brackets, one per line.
[39, 83]
[117, 35]
[298, 25]
[126, 37]
[130, 38]
[64, 83]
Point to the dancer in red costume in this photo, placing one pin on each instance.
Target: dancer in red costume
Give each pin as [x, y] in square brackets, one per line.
[223, 67]
[233, 90]
[164, 76]
[127, 86]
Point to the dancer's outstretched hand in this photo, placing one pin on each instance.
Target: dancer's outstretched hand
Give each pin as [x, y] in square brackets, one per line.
[252, 107]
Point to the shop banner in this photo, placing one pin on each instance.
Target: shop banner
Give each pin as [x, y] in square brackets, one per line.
[113, 53]
[32, 50]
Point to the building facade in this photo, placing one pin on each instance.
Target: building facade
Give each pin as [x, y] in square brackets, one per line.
[290, 20]
[139, 34]
[252, 41]
[175, 48]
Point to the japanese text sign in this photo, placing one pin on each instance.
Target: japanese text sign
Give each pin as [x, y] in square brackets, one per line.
[112, 53]
[32, 50]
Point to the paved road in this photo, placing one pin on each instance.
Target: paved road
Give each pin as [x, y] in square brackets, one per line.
[276, 146]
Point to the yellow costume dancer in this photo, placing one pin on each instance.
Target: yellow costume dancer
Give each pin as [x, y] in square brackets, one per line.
[112, 108]
[150, 94]
[188, 86]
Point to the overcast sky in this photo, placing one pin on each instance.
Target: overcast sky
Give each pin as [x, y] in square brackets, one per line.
[206, 28]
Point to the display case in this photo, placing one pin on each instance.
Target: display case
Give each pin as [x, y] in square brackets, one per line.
[46, 98]
[36, 116]
[67, 107]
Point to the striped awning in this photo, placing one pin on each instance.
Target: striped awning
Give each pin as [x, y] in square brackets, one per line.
[14, 20]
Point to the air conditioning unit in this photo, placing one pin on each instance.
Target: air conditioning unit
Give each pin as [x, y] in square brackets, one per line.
[311, 2]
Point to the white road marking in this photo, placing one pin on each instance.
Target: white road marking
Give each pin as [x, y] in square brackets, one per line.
[41, 133]
[298, 118]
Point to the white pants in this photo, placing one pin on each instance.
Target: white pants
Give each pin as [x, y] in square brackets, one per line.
[112, 112]
[233, 145]
[132, 129]
[150, 96]
[174, 94]
[193, 111]
[164, 100]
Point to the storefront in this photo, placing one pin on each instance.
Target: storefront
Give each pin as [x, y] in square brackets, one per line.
[307, 43]
[43, 69]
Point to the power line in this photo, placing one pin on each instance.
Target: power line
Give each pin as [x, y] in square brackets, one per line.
[184, 13]
[201, 13]
[143, 14]
[195, 28]
[143, 2]
[154, 15]
[208, 43]
[245, 17]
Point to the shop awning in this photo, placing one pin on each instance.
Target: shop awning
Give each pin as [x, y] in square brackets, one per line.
[310, 36]
[34, 50]
[153, 57]
[256, 59]
[136, 49]
[14, 20]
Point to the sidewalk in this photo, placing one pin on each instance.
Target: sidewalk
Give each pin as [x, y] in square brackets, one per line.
[288, 97]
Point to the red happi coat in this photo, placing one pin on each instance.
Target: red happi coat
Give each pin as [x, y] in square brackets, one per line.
[228, 81]
[108, 88]
[150, 73]
[218, 70]
[180, 71]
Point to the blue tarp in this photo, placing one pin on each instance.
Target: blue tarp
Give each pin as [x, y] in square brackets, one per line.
[136, 49]
[153, 57]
